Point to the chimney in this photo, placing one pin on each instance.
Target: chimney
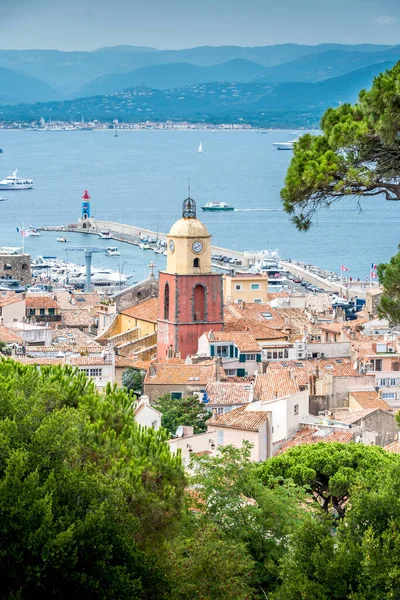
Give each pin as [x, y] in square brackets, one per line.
[145, 400]
[72, 299]
[242, 304]
[291, 373]
[188, 360]
[211, 336]
[217, 369]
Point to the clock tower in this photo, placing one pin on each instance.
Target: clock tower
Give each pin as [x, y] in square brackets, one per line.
[190, 294]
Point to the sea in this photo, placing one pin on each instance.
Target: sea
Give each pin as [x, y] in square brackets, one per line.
[141, 178]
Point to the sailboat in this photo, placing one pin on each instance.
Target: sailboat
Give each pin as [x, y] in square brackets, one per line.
[200, 149]
[115, 131]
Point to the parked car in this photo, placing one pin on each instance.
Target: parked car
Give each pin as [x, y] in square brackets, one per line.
[297, 280]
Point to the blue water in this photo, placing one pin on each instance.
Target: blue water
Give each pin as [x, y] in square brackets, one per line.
[141, 178]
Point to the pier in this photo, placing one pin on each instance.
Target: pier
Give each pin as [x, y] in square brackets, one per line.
[132, 234]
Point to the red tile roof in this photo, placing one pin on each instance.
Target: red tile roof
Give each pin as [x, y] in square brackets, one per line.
[276, 383]
[393, 447]
[240, 418]
[369, 400]
[10, 298]
[165, 373]
[242, 339]
[309, 435]
[40, 302]
[146, 310]
[225, 393]
[8, 336]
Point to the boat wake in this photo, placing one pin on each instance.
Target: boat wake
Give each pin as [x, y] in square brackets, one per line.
[257, 209]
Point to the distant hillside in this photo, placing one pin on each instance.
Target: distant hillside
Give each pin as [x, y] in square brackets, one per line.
[16, 88]
[69, 72]
[326, 65]
[288, 104]
[175, 75]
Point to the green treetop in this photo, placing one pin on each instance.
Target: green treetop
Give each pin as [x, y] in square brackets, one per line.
[85, 493]
[182, 411]
[358, 153]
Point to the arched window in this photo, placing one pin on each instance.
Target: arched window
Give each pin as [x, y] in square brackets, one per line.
[196, 262]
[199, 312]
[24, 267]
[166, 302]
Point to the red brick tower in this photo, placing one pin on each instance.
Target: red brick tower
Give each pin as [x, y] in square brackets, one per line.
[190, 295]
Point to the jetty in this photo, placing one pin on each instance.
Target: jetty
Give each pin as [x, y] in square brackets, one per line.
[133, 234]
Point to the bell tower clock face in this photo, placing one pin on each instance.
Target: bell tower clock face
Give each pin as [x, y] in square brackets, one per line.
[197, 247]
[171, 245]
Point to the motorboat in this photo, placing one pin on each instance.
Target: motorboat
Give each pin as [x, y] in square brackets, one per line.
[62, 239]
[3, 199]
[105, 234]
[217, 206]
[285, 145]
[144, 246]
[32, 231]
[13, 182]
[112, 251]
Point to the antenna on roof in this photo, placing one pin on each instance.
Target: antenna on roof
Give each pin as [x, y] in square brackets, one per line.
[189, 187]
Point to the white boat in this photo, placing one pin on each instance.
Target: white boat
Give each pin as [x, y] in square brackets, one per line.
[105, 234]
[112, 251]
[62, 239]
[144, 247]
[13, 182]
[284, 145]
[2, 199]
[200, 148]
[215, 206]
[33, 231]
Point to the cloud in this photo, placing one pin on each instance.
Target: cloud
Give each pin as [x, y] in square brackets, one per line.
[385, 20]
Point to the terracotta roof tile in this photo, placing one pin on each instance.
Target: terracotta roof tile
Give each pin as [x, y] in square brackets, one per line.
[9, 337]
[350, 417]
[276, 383]
[41, 302]
[242, 339]
[240, 418]
[165, 373]
[303, 368]
[10, 298]
[258, 329]
[146, 310]
[221, 393]
[78, 300]
[77, 318]
[74, 361]
[308, 435]
[393, 447]
[369, 400]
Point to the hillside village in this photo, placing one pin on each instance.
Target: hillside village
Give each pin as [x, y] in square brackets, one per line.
[276, 369]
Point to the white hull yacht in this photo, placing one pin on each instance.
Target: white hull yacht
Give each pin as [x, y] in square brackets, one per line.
[13, 182]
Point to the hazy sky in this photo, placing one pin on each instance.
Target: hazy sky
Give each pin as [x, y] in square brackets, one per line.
[90, 24]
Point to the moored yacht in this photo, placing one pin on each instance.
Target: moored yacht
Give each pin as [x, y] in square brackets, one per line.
[112, 251]
[284, 145]
[13, 182]
[105, 234]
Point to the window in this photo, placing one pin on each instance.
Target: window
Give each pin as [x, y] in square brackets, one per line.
[251, 356]
[32, 312]
[196, 263]
[42, 311]
[389, 396]
[377, 364]
[296, 409]
[230, 372]
[51, 312]
[7, 267]
[166, 302]
[277, 354]
[267, 316]
[257, 300]
[238, 287]
[220, 438]
[222, 351]
[220, 410]
[95, 372]
[255, 286]
[176, 395]
[199, 303]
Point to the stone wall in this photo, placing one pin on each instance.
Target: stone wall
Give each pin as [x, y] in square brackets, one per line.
[16, 266]
[137, 293]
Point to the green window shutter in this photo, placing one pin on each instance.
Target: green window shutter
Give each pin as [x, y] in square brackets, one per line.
[236, 352]
[231, 351]
[176, 395]
[241, 372]
[258, 357]
[242, 358]
[212, 350]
